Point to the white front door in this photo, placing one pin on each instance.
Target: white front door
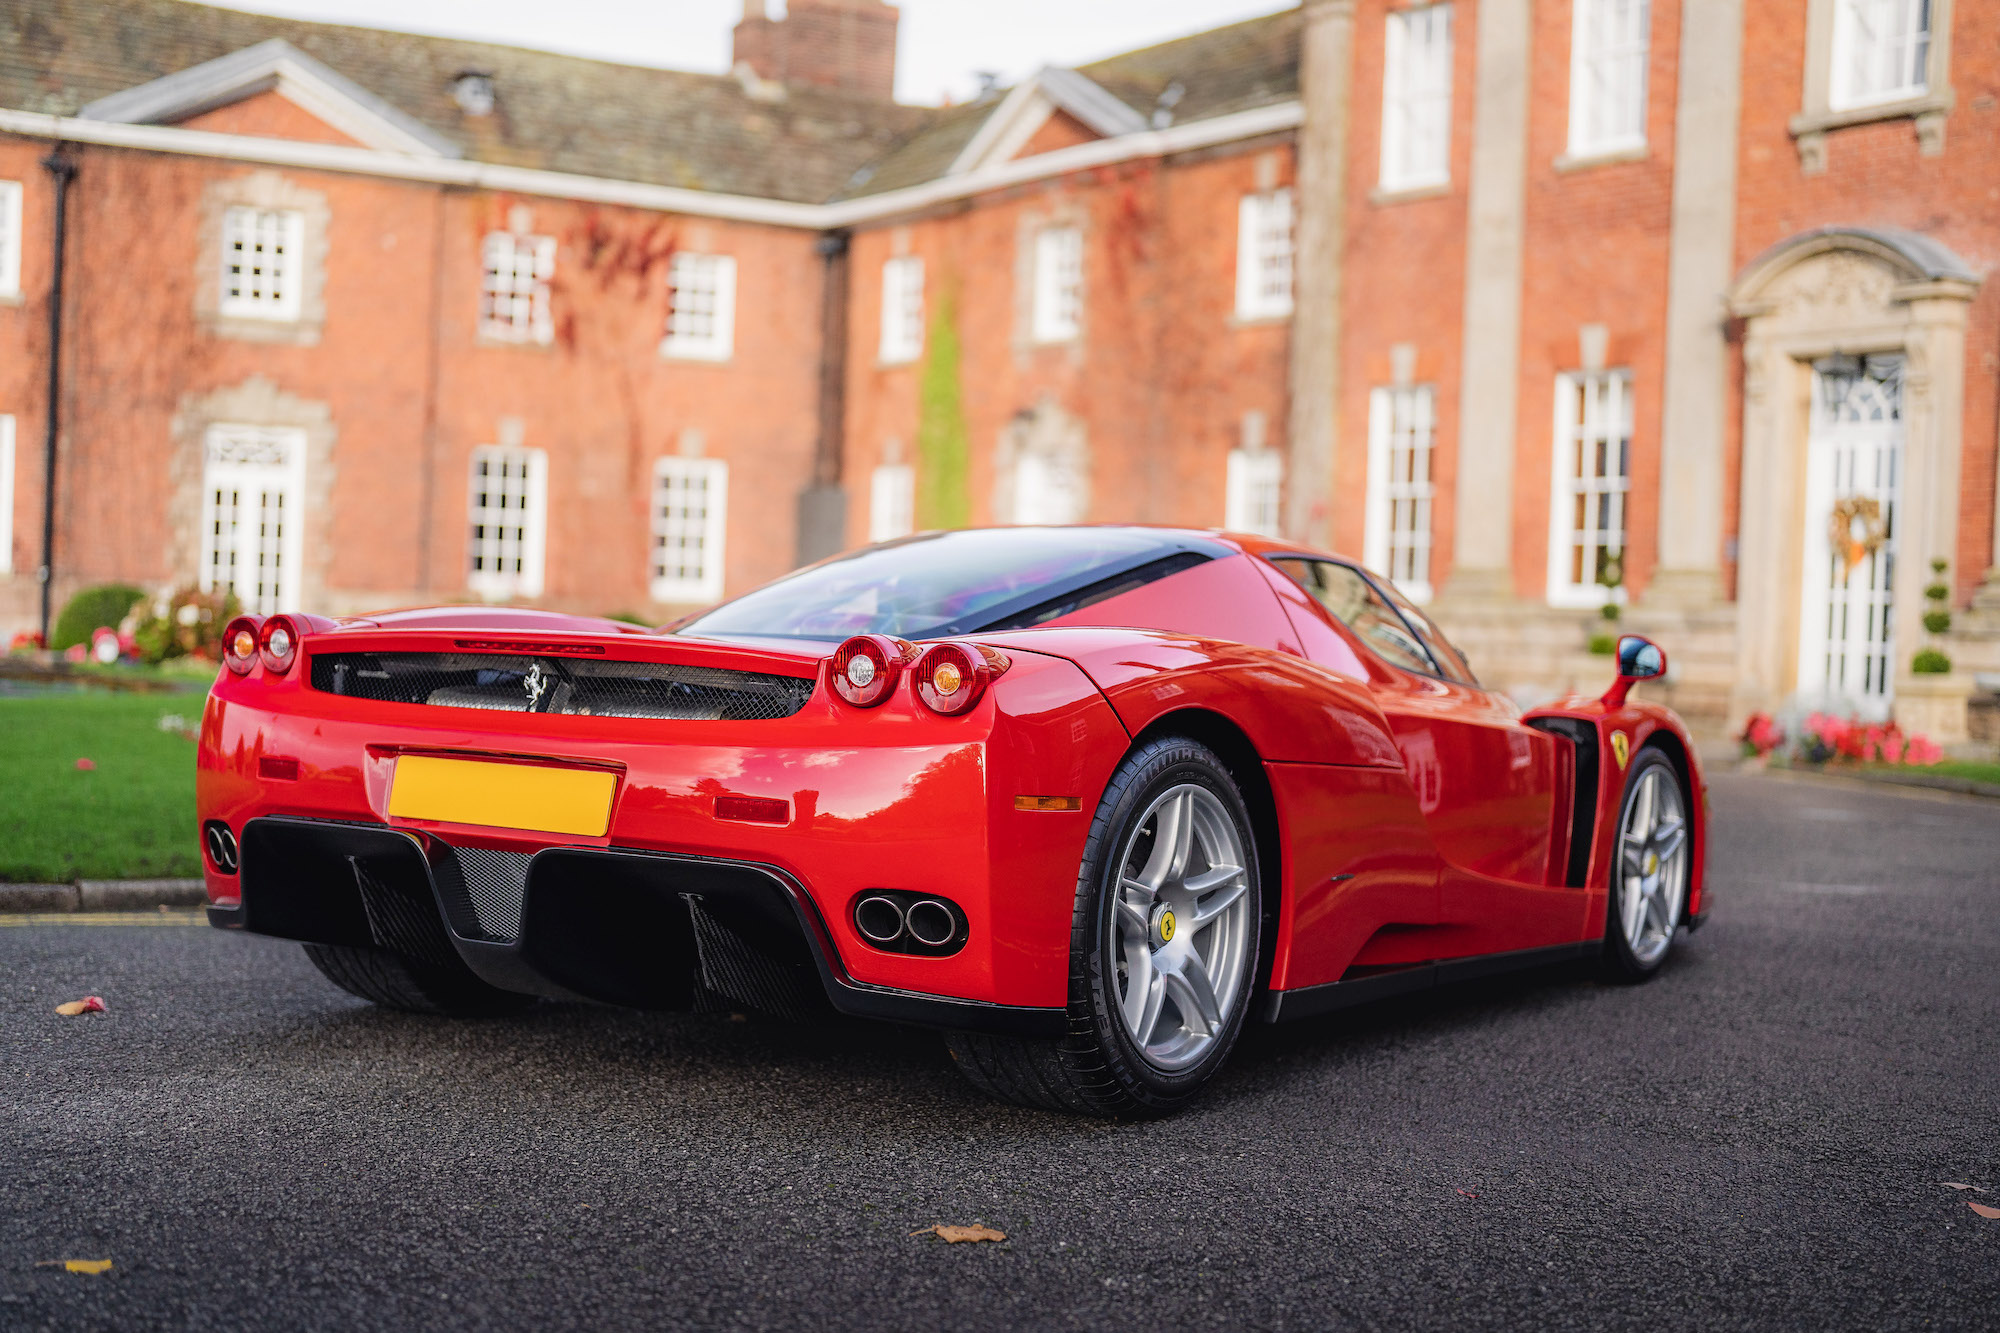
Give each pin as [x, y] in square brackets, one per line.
[252, 528]
[1847, 648]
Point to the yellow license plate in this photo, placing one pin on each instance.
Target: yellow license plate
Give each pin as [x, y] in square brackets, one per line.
[528, 797]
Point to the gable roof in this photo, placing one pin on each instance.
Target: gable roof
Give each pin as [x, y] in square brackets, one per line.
[1023, 111]
[274, 64]
[552, 112]
[136, 61]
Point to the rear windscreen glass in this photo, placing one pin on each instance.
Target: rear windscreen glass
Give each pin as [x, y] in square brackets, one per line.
[946, 583]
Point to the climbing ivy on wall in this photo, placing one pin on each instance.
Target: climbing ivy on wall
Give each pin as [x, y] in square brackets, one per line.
[944, 493]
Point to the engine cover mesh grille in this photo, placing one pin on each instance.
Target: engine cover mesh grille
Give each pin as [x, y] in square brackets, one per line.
[522, 683]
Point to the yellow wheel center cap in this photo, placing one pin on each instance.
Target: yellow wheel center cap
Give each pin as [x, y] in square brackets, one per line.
[1652, 863]
[1165, 925]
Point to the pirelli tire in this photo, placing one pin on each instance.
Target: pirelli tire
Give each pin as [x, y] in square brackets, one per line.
[395, 981]
[1164, 948]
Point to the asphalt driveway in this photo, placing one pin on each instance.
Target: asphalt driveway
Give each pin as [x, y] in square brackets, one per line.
[1755, 1140]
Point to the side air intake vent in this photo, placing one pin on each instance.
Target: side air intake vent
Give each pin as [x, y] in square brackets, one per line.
[519, 683]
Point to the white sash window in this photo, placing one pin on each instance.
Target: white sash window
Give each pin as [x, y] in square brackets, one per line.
[902, 310]
[1881, 49]
[1264, 255]
[1253, 490]
[515, 272]
[252, 530]
[509, 509]
[261, 269]
[892, 502]
[1402, 428]
[690, 524]
[1593, 471]
[1416, 99]
[701, 323]
[1058, 296]
[1609, 44]
[10, 238]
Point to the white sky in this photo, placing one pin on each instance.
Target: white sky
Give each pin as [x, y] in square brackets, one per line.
[942, 41]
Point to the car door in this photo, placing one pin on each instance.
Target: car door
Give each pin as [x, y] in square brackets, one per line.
[1489, 787]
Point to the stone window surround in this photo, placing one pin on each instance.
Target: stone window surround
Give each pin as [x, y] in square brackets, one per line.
[1929, 109]
[1825, 293]
[263, 189]
[257, 401]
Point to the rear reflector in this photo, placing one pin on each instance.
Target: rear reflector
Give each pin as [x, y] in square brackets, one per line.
[1054, 804]
[284, 770]
[753, 810]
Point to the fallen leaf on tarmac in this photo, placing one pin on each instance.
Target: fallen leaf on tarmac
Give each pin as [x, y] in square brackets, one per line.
[955, 1235]
[89, 1004]
[86, 764]
[1468, 1194]
[78, 1265]
[1983, 1210]
[1954, 1185]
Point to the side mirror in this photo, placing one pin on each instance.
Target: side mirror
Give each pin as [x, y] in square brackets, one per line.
[1638, 659]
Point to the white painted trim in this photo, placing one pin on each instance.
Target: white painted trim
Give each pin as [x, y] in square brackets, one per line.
[1375, 503]
[296, 76]
[6, 494]
[1029, 105]
[892, 502]
[714, 537]
[660, 198]
[10, 238]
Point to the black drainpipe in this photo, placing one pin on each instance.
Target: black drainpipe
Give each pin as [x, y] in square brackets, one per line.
[823, 503]
[61, 169]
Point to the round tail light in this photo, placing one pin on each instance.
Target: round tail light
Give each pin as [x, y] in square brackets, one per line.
[278, 644]
[863, 670]
[951, 677]
[239, 644]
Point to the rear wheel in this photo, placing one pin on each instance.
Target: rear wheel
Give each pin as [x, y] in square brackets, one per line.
[400, 982]
[1163, 947]
[1649, 870]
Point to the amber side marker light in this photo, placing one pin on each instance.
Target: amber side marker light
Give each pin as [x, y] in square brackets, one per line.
[1049, 804]
[239, 644]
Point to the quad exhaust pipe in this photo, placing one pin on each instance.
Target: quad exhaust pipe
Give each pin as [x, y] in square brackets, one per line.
[909, 922]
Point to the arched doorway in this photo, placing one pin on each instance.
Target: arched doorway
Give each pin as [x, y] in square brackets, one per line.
[1853, 399]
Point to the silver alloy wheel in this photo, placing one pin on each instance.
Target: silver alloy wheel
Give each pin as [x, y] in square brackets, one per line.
[1653, 864]
[1181, 932]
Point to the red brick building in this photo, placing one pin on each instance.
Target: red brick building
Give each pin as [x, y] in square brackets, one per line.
[1537, 304]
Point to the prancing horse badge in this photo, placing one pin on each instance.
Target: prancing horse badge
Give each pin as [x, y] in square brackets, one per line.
[1621, 748]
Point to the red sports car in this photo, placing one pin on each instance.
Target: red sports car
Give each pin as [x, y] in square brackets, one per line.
[1086, 799]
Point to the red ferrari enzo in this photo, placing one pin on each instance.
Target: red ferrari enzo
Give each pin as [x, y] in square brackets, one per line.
[1086, 799]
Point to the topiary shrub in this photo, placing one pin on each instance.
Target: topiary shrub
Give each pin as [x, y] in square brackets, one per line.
[102, 607]
[1603, 645]
[1930, 662]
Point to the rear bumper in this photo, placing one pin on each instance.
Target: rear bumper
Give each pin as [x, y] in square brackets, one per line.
[631, 927]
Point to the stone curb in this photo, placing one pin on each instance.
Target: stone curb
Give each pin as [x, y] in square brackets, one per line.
[102, 895]
[1922, 781]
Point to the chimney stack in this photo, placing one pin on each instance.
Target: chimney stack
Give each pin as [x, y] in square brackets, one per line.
[847, 46]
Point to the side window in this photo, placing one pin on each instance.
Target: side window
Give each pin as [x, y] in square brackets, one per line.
[1450, 661]
[1355, 603]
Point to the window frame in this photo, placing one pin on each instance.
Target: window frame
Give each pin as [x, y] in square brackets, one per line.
[1379, 544]
[892, 502]
[7, 463]
[1841, 98]
[1574, 424]
[1249, 469]
[902, 340]
[289, 306]
[719, 344]
[12, 193]
[1402, 102]
[1260, 249]
[539, 330]
[530, 579]
[680, 590]
[1056, 306]
[1596, 85]
[1279, 559]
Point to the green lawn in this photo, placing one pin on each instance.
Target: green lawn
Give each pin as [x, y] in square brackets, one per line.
[132, 817]
[1962, 768]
